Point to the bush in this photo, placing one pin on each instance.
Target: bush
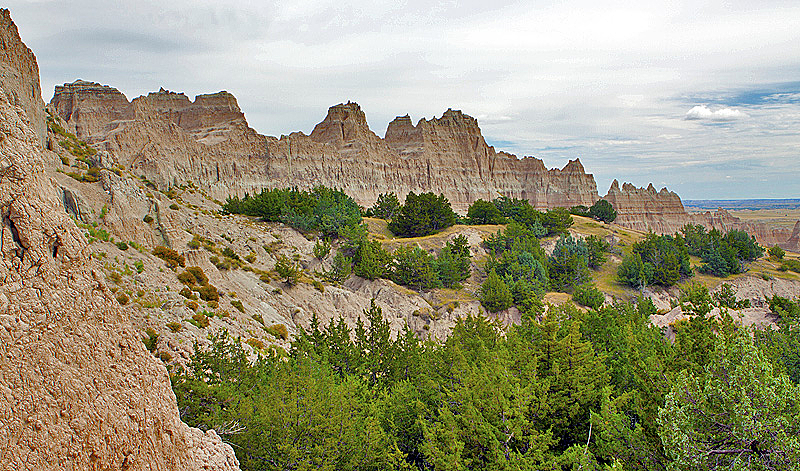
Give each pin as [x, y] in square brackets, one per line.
[495, 295]
[777, 252]
[372, 260]
[793, 265]
[415, 268]
[187, 293]
[579, 210]
[596, 248]
[238, 305]
[385, 207]
[341, 267]
[422, 215]
[588, 295]
[484, 212]
[147, 218]
[568, 265]
[123, 299]
[602, 210]
[122, 246]
[201, 320]
[200, 278]
[152, 339]
[453, 262]
[174, 327]
[661, 260]
[278, 331]
[287, 270]
[208, 293]
[170, 256]
[322, 248]
[173, 207]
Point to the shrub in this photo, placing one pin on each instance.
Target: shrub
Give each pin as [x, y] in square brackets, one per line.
[568, 264]
[152, 339]
[250, 258]
[201, 320]
[147, 218]
[186, 278]
[341, 267]
[287, 270]
[322, 248]
[192, 305]
[661, 260]
[372, 260]
[588, 295]
[174, 326]
[415, 268]
[208, 293]
[238, 305]
[122, 246]
[484, 212]
[422, 215]
[200, 278]
[255, 343]
[579, 210]
[123, 299]
[777, 252]
[385, 207]
[596, 248]
[318, 286]
[173, 207]
[139, 265]
[115, 277]
[171, 257]
[278, 331]
[452, 264]
[494, 294]
[602, 210]
[793, 265]
[187, 293]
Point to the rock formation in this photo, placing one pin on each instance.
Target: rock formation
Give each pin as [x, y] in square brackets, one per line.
[172, 140]
[78, 390]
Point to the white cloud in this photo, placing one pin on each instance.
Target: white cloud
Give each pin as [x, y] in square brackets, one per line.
[703, 112]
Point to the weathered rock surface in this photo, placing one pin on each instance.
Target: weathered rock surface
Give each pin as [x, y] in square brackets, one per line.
[172, 140]
[77, 388]
[662, 212]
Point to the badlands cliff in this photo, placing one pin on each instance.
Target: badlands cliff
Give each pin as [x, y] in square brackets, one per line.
[172, 140]
[78, 390]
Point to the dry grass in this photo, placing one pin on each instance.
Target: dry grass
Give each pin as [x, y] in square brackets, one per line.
[785, 218]
[378, 230]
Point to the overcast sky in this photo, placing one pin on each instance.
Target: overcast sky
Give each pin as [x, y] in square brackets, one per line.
[701, 97]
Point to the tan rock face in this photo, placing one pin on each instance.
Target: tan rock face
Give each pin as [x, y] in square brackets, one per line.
[90, 109]
[172, 140]
[77, 388]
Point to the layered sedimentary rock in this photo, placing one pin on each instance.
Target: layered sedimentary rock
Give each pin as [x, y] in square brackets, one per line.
[662, 212]
[78, 390]
[172, 140]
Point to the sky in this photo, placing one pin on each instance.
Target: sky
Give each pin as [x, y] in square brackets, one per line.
[700, 97]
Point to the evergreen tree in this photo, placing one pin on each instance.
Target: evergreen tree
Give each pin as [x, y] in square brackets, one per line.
[495, 295]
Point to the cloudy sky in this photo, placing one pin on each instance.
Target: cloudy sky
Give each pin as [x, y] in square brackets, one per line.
[701, 97]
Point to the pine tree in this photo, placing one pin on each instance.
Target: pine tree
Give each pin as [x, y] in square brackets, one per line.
[495, 295]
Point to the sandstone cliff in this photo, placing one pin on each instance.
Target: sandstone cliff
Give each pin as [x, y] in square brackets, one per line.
[172, 140]
[662, 212]
[78, 390]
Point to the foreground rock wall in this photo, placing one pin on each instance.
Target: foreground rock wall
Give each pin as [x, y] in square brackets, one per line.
[78, 390]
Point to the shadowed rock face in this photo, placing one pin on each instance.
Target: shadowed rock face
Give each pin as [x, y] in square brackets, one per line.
[78, 390]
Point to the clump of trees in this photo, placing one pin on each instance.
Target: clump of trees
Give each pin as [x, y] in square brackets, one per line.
[722, 255]
[328, 211]
[422, 215]
[656, 260]
[595, 390]
[601, 210]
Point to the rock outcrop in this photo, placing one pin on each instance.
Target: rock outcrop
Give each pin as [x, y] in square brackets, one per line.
[172, 140]
[78, 390]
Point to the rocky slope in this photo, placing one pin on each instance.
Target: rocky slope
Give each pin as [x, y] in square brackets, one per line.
[78, 390]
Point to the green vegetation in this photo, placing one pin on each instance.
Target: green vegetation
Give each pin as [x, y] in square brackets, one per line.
[69, 141]
[569, 390]
[322, 209]
[322, 248]
[484, 212]
[602, 210]
[422, 215]
[661, 260]
[722, 255]
[588, 295]
[386, 207]
[777, 252]
[170, 256]
[287, 270]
